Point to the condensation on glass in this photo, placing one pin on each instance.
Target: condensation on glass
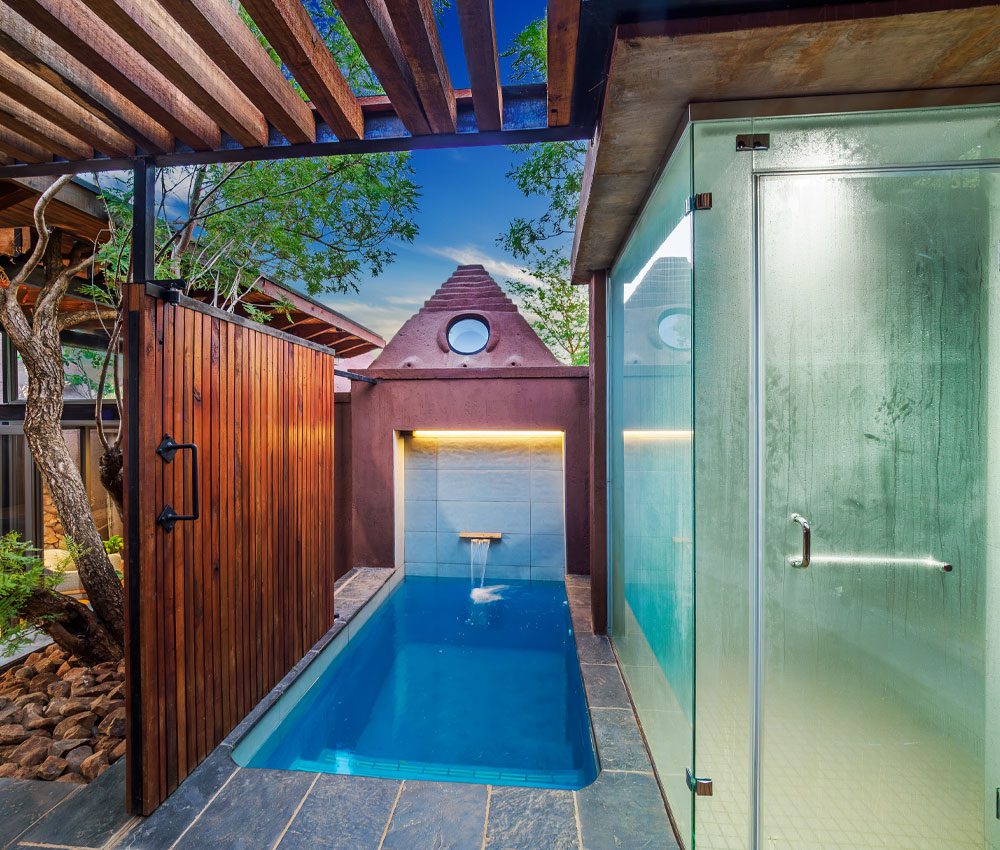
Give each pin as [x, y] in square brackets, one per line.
[840, 379]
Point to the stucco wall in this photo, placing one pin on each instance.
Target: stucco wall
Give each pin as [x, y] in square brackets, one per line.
[537, 399]
[506, 484]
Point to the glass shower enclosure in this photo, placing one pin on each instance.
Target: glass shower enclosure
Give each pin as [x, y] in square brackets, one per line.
[804, 446]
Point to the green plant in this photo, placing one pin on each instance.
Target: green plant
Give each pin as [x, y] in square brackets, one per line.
[114, 544]
[22, 575]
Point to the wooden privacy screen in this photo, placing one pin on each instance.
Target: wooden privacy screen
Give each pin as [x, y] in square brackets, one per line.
[221, 607]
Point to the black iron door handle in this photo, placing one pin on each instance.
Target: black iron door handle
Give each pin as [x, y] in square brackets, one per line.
[168, 517]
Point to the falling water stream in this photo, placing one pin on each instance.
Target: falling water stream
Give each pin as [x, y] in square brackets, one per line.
[479, 553]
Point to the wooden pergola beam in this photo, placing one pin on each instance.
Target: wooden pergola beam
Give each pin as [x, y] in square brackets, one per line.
[11, 194]
[479, 38]
[290, 31]
[218, 29]
[369, 23]
[54, 67]
[36, 95]
[563, 32]
[175, 53]
[413, 21]
[17, 117]
[18, 147]
[92, 42]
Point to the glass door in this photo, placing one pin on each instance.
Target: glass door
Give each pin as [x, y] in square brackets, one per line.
[874, 329]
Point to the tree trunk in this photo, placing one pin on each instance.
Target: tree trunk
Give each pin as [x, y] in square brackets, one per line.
[73, 626]
[43, 433]
[110, 467]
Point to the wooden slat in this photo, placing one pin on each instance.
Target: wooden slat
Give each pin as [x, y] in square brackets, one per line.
[413, 21]
[47, 61]
[19, 84]
[479, 37]
[168, 48]
[563, 31]
[17, 117]
[218, 29]
[12, 194]
[369, 23]
[290, 31]
[17, 146]
[92, 42]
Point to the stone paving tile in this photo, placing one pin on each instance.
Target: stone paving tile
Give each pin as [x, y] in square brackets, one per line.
[531, 819]
[437, 816]
[342, 813]
[90, 818]
[624, 811]
[604, 686]
[251, 811]
[619, 742]
[594, 649]
[25, 801]
[163, 827]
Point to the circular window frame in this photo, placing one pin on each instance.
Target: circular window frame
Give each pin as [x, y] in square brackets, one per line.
[675, 311]
[476, 317]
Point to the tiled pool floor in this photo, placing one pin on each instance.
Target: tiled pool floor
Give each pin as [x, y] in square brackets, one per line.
[227, 807]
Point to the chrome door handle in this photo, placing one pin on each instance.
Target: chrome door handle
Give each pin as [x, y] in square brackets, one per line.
[802, 562]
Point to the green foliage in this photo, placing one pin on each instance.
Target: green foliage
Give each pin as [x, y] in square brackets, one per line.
[82, 369]
[21, 574]
[114, 544]
[558, 310]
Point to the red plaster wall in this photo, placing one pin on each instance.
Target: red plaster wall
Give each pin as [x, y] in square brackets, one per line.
[342, 483]
[552, 398]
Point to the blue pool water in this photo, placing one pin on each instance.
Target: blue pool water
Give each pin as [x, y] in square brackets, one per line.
[435, 686]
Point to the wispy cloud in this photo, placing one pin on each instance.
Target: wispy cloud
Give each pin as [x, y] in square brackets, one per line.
[470, 255]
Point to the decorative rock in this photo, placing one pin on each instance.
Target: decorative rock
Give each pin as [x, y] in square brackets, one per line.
[13, 733]
[39, 696]
[41, 682]
[93, 766]
[104, 705]
[34, 719]
[24, 673]
[24, 773]
[10, 715]
[119, 750]
[73, 726]
[59, 689]
[74, 778]
[117, 692]
[91, 690]
[32, 752]
[7, 770]
[75, 758]
[51, 768]
[64, 668]
[74, 706]
[114, 724]
[54, 708]
[105, 744]
[60, 748]
[75, 674]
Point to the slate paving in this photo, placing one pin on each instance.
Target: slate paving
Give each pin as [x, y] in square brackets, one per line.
[226, 807]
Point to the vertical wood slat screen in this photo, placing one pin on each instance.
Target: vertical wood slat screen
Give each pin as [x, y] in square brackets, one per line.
[226, 604]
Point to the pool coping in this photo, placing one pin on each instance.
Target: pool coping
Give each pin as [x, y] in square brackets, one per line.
[623, 807]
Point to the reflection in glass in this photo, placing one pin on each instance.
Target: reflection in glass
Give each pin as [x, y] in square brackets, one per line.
[468, 336]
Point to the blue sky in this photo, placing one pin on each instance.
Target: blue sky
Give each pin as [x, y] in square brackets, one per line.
[466, 203]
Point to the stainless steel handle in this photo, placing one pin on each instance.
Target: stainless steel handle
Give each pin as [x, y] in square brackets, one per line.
[802, 562]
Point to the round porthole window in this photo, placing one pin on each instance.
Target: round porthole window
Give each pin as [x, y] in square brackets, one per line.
[468, 335]
[675, 329]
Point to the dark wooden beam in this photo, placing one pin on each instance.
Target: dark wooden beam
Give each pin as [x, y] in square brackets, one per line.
[369, 23]
[563, 32]
[174, 53]
[598, 496]
[220, 31]
[479, 38]
[290, 31]
[15, 145]
[19, 84]
[92, 42]
[11, 194]
[56, 68]
[416, 29]
[17, 117]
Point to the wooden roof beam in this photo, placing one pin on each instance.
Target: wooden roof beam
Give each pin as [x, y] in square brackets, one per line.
[416, 29]
[479, 38]
[218, 29]
[18, 147]
[56, 69]
[290, 31]
[368, 21]
[563, 32]
[34, 94]
[175, 54]
[90, 40]
[17, 117]
[11, 194]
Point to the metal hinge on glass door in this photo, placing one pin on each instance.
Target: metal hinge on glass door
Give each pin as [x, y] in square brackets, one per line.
[753, 142]
[701, 201]
[701, 785]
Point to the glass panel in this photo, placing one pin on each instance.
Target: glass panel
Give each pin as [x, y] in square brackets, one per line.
[874, 354]
[14, 511]
[652, 466]
[82, 371]
[723, 259]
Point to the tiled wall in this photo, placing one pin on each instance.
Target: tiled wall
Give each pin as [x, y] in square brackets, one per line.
[514, 486]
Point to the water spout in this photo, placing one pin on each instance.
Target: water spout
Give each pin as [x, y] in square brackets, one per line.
[479, 553]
